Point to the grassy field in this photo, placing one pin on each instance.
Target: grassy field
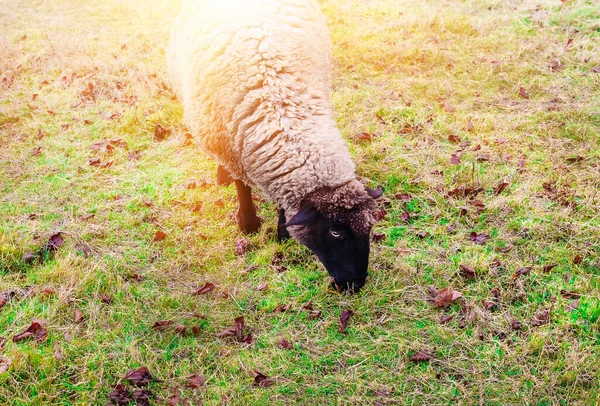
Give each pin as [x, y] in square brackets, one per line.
[482, 121]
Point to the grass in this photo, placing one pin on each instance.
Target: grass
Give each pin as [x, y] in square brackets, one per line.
[417, 76]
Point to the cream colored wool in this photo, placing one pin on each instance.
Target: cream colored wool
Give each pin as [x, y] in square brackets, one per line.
[255, 80]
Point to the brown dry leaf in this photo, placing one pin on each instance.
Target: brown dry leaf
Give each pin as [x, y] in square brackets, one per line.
[237, 330]
[445, 297]
[548, 268]
[282, 308]
[196, 381]
[4, 364]
[180, 329]
[78, 316]
[483, 158]
[467, 271]
[445, 318]
[344, 317]
[454, 139]
[577, 260]
[420, 356]
[174, 398]
[242, 246]
[104, 298]
[488, 304]
[523, 93]
[376, 237]
[121, 395]
[98, 162]
[159, 236]
[500, 188]
[139, 377]
[569, 294]
[57, 352]
[364, 137]
[262, 287]
[35, 330]
[448, 108]
[162, 325]
[3, 300]
[521, 271]
[161, 133]
[261, 380]
[285, 344]
[516, 325]
[455, 159]
[574, 305]
[36, 151]
[478, 238]
[208, 287]
[541, 317]
[143, 397]
[422, 234]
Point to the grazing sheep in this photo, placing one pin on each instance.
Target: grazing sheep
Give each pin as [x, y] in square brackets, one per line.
[254, 77]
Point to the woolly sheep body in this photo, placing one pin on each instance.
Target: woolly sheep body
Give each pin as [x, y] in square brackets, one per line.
[254, 77]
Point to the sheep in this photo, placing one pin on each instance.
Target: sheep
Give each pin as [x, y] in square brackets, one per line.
[254, 77]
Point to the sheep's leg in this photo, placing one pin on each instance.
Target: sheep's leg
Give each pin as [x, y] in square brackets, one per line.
[246, 216]
[282, 232]
[223, 177]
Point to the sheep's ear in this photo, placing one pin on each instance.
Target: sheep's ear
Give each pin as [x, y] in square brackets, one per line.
[375, 194]
[304, 215]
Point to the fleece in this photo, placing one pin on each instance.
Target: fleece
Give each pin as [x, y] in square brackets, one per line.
[254, 77]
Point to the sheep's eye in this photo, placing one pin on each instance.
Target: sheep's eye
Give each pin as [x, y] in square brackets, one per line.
[335, 234]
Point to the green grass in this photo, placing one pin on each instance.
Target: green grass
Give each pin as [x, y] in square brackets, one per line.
[412, 74]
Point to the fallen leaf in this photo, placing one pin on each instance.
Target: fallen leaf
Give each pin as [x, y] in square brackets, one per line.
[162, 325]
[121, 395]
[261, 380]
[422, 234]
[174, 398]
[36, 151]
[451, 228]
[314, 314]
[466, 271]
[364, 137]
[540, 318]
[161, 133]
[577, 260]
[479, 239]
[516, 325]
[453, 138]
[159, 236]
[548, 268]
[500, 188]
[104, 298]
[455, 159]
[247, 339]
[569, 295]
[574, 305]
[445, 318]
[420, 356]
[282, 308]
[405, 197]
[35, 330]
[378, 236]
[208, 287]
[57, 352]
[448, 108]
[285, 344]
[482, 158]
[196, 381]
[445, 297]
[344, 317]
[139, 377]
[4, 364]
[237, 330]
[143, 397]
[78, 316]
[98, 162]
[180, 329]
[488, 304]
[2, 342]
[523, 93]
[262, 287]
[521, 271]
[242, 246]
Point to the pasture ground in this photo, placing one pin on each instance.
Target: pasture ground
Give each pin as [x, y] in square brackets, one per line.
[511, 89]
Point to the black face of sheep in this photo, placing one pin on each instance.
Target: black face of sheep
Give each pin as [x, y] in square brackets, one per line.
[340, 246]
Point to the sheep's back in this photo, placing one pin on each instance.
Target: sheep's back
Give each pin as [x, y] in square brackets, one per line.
[248, 68]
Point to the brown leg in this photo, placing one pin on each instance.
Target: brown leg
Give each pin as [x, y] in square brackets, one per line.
[246, 215]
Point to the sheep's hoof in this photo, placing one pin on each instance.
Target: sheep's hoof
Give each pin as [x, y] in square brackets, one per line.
[248, 225]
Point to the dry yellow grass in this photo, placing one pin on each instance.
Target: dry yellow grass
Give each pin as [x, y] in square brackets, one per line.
[517, 84]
